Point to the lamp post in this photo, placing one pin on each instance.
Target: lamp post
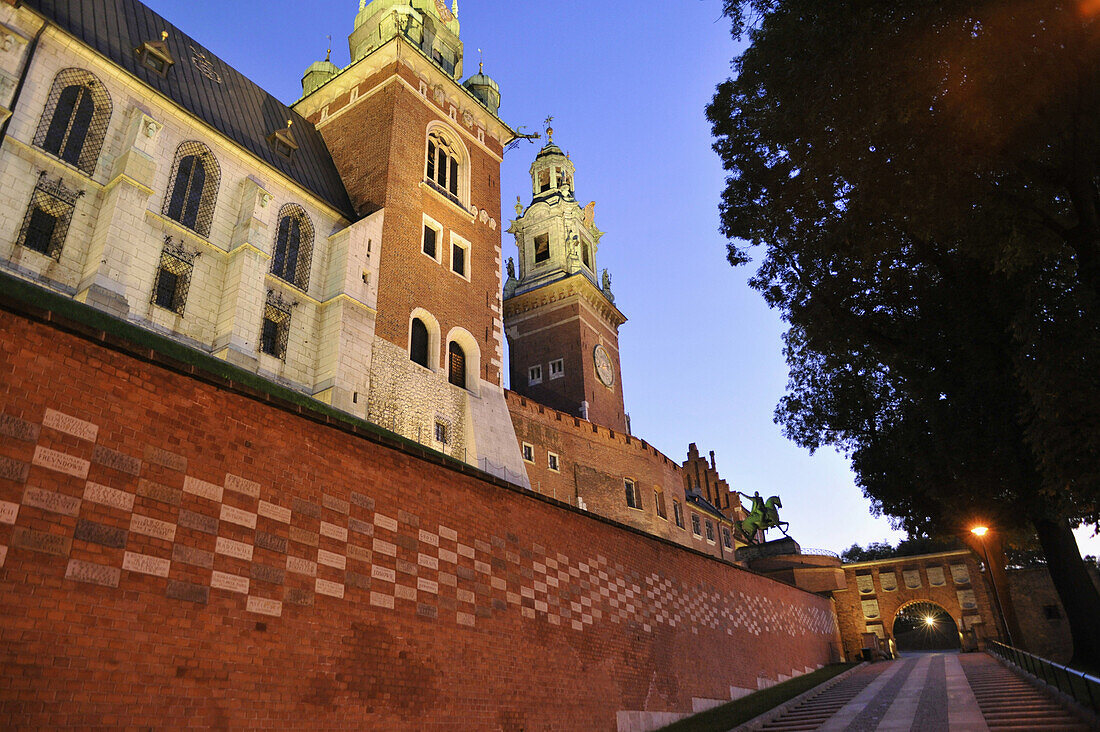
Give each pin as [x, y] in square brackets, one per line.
[980, 532]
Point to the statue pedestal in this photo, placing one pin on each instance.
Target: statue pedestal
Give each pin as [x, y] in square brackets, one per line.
[778, 548]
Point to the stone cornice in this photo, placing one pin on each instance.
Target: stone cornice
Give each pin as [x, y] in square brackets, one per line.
[575, 285]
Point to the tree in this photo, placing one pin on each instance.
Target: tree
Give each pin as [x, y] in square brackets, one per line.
[924, 179]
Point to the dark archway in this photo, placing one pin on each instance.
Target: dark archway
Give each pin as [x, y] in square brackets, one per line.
[925, 626]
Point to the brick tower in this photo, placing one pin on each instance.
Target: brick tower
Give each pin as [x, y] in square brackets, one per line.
[562, 324]
[412, 141]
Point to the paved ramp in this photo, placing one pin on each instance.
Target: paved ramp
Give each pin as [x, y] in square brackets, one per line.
[929, 692]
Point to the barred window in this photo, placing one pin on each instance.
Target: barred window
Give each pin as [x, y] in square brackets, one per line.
[293, 246]
[276, 327]
[47, 220]
[75, 119]
[456, 372]
[710, 531]
[173, 278]
[193, 187]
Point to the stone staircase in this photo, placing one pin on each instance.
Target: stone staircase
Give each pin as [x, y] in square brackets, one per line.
[1010, 702]
[814, 711]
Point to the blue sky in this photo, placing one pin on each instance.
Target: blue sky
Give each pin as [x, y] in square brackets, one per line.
[627, 84]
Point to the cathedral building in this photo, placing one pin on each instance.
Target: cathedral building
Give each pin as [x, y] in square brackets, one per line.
[347, 246]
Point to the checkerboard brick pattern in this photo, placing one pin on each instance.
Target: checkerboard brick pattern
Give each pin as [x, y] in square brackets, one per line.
[159, 536]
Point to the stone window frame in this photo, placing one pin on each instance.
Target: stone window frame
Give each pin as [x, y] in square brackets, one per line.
[274, 339]
[57, 201]
[632, 494]
[534, 374]
[711, 536]
[560, 370]
[202, 217]
[696, 526]
[296, 273]
[175, 261]
[553, 462]
[527, 452]
[678, 514]
[432, 326]
[442, 139]
[659, 503]
[430, 223]
[462, 243]
[472, 356]
[86, 156]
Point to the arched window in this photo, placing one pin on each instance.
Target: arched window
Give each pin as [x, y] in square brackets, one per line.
[193, 187]
[293, 246]
[75, 120]
[456, 365]
[418, 343]
[444, 164]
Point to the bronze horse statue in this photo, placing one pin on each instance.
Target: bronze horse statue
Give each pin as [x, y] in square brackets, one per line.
[762, 516]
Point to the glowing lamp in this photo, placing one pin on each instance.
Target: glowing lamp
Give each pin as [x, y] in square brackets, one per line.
[979, 530]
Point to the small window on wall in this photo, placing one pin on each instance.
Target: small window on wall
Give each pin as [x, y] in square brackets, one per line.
[544, 181]
[534, 375]
[586, 256]
[443, 164]
[659, 503]
[633, 498]
[74, 123]
[528, 452]
[418, 343]
[542, 248]
[696, 527]
[710, 531]
[557, 368]
[456, 365]
[430, 242]
[46, 222]
[1052, 612]
[726, 538]
[441, 432]
[678, 513]
[460, 256]
[552, 462]
[276, 328]
[173, 278]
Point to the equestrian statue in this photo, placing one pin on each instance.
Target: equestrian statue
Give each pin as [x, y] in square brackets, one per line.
[762, 516]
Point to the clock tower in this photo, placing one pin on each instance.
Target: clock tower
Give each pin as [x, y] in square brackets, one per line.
[559, 314]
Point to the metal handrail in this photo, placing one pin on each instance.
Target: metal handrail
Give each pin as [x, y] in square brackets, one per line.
[1084, 688]
[819, 552]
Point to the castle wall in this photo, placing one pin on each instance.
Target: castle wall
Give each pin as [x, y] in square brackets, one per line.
[177, 550]
[1042, 618]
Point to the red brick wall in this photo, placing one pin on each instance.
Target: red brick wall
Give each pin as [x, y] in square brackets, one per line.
[175, 553]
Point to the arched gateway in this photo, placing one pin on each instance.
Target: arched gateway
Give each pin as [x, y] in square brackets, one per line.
[923, 625]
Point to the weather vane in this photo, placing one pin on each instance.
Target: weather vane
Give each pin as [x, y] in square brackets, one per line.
[549, 129]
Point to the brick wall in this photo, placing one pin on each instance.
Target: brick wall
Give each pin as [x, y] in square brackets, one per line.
[1040, 612]
[174, 552]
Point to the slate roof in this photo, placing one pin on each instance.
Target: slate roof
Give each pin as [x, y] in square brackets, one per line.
[235, 106]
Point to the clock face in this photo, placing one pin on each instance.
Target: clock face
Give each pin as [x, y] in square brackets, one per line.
[444, 11]
[604, 368]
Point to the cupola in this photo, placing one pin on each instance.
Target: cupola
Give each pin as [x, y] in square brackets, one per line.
[317, 75]
[552, 171]
[484, 88]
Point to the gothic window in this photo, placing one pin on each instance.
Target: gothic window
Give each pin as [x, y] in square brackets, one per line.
[276, 328]
[74, 122]
[47, 219]
[173, 279]
[456, 364]
[293, 246]
[633, 498]
[444, 164]
[542, 248]
[193, 187]
[418, 343]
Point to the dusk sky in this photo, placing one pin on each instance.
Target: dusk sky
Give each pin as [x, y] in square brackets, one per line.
[627, 84]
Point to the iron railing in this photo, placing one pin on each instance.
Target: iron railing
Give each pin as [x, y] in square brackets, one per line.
[819, 552]
[1083, 688]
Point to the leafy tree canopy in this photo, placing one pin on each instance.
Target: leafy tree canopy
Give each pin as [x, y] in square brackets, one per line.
[906, 548]
[923, 177]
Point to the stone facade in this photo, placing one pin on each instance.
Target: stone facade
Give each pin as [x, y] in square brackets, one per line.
[1042, 619]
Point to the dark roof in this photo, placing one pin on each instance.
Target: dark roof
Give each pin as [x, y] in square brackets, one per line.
[235, 106]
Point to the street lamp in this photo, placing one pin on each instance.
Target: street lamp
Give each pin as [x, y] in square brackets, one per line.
[980, 532]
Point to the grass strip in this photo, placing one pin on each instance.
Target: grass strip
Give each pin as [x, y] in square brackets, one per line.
[728, 716]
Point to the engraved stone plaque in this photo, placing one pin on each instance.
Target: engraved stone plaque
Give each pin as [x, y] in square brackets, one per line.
[197, 521]
[960, 574]
[335, 504]
[298, 596]
[202, 488]
[107, 496]
[358, 553]
[301, 566]
[359, 581]
[152, 527]
[271, 511]
[427, 585]
[449, 534]
[426, 560]
[188, 592]
[385, 522]
[302, 536]
[429, 538]
[61, 462]
[967, 599]
[377, 598]
[264, 573]
[333, 531]
[385, 547]
[15, 470]
[361, 527]
[329, 559]
[911, 578]
[230, 582]
[305, 508]
[116, 460]
[52, 502]
[888, 580]
[237, 484]
[870, 608]
[8, 512]
[158, 492]
[192, 555]
[271, 542]
[362, 501]
[3, 555]
[237, 516]
[100, 534]
[37, 541]
[332, 589]
[264, 606]
[70, 425]
[93, 574]
[935, 577]
[404, 593]
[865, 583]
[236, 549]
[145, 564]
[165, 459]
[383, 573]
[17, 429]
